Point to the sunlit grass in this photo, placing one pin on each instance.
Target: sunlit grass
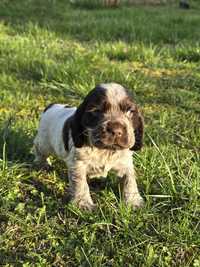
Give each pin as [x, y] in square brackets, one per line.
[51, 51]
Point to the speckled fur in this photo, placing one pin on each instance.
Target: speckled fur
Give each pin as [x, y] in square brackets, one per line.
[87, 161]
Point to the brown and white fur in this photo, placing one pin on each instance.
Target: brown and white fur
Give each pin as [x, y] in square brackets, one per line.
[98, 136]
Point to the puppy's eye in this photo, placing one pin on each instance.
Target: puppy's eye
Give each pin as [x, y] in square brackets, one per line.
[130, 111]
[94, 113]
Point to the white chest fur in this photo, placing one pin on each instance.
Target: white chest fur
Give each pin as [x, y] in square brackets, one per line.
[98, 162]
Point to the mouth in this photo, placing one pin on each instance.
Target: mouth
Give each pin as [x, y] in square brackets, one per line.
[114, 146]
[105, 141]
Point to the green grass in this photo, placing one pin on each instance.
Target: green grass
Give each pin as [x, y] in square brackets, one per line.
[51, 51]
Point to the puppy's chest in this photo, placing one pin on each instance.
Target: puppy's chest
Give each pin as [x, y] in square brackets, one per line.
[98, 169]
[99, 163]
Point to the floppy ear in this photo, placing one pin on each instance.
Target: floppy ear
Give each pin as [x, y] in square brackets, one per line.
[80, 118]
[138, 124]
[77, 128]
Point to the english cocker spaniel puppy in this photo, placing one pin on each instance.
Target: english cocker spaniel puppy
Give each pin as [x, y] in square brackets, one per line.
[98, 136]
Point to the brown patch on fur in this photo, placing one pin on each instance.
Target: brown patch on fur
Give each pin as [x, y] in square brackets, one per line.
[65, 133]
[138, 125]
[137, 121]
[127, 104]
[87, 114]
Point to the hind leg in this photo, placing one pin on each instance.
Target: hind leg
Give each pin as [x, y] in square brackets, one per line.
[40, 156]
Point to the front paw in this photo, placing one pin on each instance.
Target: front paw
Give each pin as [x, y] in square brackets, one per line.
[84, 204]
[136, 202]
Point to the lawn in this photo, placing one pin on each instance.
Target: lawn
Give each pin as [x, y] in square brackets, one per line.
[52, 51]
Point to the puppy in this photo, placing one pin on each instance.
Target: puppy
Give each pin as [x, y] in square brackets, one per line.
[98, 136]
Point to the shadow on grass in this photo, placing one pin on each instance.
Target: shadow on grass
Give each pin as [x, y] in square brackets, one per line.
[37, 190]
[17, 143]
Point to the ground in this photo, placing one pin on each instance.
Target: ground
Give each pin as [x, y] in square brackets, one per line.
[54, 51]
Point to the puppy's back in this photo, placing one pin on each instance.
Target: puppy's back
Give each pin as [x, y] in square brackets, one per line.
[55, 112]
[51, 125]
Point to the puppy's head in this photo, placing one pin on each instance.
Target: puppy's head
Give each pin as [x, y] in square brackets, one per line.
[108, 118]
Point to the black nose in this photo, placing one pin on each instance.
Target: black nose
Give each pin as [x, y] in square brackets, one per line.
[114, 128]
